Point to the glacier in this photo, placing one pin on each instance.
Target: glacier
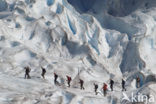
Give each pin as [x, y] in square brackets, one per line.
[95, 40]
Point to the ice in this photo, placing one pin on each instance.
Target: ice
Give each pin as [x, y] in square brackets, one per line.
[71, 25]
[87, 39]
[50, 2]
[59, 9]
[3, 5]
[76, 49]
[135, 63]
[29, 18]
[20, 10]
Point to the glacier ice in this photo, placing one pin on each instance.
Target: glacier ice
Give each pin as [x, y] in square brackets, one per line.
[88, 39]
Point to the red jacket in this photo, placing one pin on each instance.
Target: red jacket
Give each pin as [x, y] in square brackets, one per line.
[68, 78]
[105, 87]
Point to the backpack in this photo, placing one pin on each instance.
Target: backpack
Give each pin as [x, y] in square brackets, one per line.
[138, 79]
[96, 86]
[81, 81]
[123, 82]
[111, 82]
[44, 70]
[27, 69]
[55, 75]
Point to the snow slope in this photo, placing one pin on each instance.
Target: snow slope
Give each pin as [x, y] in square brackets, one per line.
[95, 42]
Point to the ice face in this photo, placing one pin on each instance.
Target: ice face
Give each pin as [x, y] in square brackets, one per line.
[87, 39]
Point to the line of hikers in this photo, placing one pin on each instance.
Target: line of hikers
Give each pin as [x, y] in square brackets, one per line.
[69, 79]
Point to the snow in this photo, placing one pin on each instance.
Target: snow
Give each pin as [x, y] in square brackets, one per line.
[94, 41]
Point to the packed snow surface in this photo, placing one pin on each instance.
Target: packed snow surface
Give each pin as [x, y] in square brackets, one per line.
[95, 40]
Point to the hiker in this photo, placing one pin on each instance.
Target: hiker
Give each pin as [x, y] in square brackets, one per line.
[123, 85]
[95, 88]
[55, 78]
[81, 84]
[138, 82]
[111, 84]
[43, 72]
[27, 71]
[68, 80]
[104, 89]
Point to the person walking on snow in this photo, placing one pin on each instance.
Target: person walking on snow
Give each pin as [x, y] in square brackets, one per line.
[81, 84]
[138, 82]
[43, 72]
[95, 88]
[104, 89]
[111, 84]
[68, 80]
[55, 78]
[27, 71]
[123, 85]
